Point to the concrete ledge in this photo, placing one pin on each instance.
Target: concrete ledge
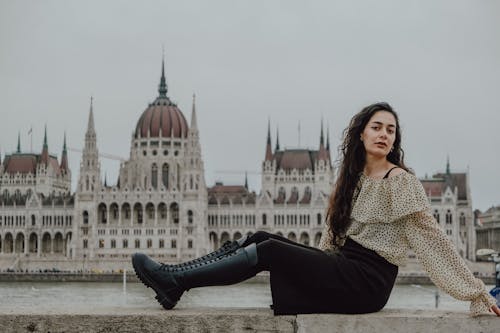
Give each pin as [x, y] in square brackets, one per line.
[247, 320]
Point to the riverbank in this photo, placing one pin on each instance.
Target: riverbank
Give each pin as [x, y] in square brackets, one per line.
[403, 278]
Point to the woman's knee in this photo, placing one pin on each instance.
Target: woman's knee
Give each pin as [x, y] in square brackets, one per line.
[258, 237]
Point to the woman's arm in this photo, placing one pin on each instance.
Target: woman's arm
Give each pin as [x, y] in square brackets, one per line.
[444, 265]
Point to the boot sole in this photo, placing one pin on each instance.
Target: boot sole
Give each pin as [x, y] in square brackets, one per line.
[161, 297]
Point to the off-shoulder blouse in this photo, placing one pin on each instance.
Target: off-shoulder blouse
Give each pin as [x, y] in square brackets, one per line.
[391, 216]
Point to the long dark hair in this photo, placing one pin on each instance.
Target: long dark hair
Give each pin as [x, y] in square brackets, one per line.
[352, 157]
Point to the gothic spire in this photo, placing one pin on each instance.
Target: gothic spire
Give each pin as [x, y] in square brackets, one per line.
[18, 142]
[45, 150]
[246, 180]
[45, 145]
[194, 123]
[448, 165]
[90, 125]
[328, 139]
[321, 140]
[162, 88]
[277, 139]
[64, 157]
[269, 152]
[323, 153]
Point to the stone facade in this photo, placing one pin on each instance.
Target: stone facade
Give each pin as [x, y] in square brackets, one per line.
[160, 204]
[451, 204]
[488, 229]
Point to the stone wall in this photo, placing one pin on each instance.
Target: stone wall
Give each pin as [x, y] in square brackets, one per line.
[247, 320]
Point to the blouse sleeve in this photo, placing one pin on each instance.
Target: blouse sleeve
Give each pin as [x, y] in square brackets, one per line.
[443, 263]
[325, 242]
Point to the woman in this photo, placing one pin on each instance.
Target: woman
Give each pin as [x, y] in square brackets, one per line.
[378, 210]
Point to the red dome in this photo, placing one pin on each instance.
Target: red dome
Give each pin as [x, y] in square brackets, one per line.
[165, 115]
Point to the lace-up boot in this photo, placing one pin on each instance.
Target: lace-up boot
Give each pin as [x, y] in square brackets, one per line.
[170, 282]
[226, 248]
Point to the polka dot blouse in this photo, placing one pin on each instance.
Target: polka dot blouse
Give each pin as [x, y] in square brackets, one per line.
[393, 215]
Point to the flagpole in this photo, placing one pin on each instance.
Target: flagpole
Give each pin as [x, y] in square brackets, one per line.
[31, 137]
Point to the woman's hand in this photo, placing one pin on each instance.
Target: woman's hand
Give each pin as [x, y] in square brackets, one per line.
[495, 309]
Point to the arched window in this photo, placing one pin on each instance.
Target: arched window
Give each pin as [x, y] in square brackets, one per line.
[449, 218]
[264, 219]
[190, 216]
[319, 218]
[190, 243]
[174, 212]
[137, 243]
[164, 174]
[282, 193]
[85, 217]
[149, 243]
[125, 243]
[173, 244]
[154, 176]
[462, 220]
[436, 215]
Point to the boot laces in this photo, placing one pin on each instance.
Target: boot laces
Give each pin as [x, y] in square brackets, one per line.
[188, 266]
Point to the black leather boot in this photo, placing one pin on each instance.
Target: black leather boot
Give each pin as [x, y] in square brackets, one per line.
[226, 248]
[169, 282]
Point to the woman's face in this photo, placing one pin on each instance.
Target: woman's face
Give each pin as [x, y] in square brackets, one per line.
[379, 134]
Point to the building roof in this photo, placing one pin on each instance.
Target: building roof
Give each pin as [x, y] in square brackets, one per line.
[20, 163]
[299, 159]
[237, 194]
[436, 185]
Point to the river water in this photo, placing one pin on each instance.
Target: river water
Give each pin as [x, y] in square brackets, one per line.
[78, 297]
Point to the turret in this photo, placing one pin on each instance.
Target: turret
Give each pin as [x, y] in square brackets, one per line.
[269, 152]
[44, 158]
[64, 156]
[322, 154]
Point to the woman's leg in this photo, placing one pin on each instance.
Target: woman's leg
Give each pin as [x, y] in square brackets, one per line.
[261, 236]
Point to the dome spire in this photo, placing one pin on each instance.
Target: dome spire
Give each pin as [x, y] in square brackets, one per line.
[162, 88]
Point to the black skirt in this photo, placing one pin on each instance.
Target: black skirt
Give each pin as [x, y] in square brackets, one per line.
[353, 280]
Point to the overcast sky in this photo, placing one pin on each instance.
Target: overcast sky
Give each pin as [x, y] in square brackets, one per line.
[436, 62]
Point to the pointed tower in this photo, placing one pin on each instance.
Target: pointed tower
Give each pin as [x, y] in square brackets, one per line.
[18, 150]
[448, 178]
[64, 156]
[246, 180]
[89, 179]
[44, 158]
[162, 87]
[277, 140]
[328, 140]
[269, 151]
[195, 170]
[322, 154]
